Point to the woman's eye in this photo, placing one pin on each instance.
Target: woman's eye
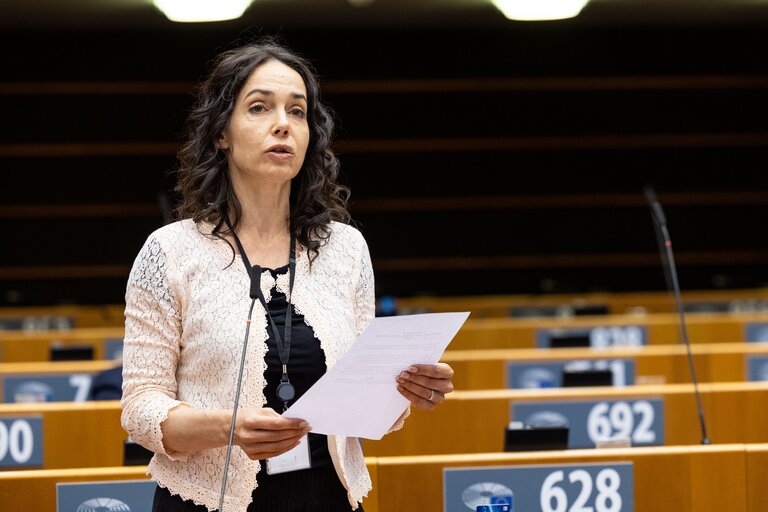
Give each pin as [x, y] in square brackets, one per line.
[256, 108]
[298, 112]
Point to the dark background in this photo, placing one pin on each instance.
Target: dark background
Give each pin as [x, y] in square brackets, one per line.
[484, 156]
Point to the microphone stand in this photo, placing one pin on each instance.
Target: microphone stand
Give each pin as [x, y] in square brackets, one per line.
[670, 274]
[254, 286]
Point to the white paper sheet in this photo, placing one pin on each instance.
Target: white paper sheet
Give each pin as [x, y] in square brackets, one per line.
[358, 396]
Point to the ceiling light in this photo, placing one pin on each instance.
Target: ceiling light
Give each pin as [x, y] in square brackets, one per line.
[202, 10]
[534, 10]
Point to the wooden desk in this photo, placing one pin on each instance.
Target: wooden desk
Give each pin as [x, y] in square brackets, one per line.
[474, 421]
[757, 469]
[712, 478]
[662, 329]
[496, 333]
[76, 435]
[486, 369]
[468, 422]
[51, 369]
[654, 364]
[498, 306]
[82, 316]
[667, 479]
[36, 489]
[35, 346]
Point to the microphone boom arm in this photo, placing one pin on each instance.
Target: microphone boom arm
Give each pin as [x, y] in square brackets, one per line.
[667, 256]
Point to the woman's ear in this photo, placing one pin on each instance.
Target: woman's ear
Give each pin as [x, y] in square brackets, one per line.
[222, 142]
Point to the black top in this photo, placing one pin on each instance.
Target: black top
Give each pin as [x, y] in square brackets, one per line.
[305, 366]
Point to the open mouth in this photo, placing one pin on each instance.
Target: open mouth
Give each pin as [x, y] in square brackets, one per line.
[280, 150]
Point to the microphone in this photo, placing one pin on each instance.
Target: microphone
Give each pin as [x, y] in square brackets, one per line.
[670, 275]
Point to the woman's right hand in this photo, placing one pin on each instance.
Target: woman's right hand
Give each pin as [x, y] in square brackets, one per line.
[262, 433]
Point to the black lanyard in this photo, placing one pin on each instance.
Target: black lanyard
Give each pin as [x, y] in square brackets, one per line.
[285, 390]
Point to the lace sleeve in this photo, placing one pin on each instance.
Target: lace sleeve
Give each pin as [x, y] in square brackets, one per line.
[151, 349]
[365, 298]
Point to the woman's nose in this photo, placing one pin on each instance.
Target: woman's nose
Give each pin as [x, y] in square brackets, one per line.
[281, 124]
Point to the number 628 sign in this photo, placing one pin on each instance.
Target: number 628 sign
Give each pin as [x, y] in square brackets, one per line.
[545, 488]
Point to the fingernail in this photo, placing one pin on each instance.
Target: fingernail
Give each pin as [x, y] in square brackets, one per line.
[404, 376]
[413, 369]
[304, 424]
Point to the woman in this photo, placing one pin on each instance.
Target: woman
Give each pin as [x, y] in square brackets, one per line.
[258, 186]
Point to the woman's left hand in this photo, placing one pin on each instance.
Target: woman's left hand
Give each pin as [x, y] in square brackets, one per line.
[426, 385]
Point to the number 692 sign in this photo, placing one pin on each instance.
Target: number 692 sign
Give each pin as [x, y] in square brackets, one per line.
[640, 421]
[563, 488]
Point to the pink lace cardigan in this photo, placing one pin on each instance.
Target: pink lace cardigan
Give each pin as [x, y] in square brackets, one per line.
[184, 324]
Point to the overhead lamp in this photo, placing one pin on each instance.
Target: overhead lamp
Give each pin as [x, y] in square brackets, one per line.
[537, 10]
[202, 10]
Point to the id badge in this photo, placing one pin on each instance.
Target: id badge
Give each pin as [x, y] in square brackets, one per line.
[292, 460]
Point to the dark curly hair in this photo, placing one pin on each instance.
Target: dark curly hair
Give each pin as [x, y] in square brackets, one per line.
[204, 183]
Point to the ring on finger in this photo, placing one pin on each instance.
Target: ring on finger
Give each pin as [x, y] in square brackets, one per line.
[431, 395]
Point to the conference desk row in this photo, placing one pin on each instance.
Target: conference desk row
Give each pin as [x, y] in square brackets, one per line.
[614, 330]
[497, 306]
[474, 369]
[68, 434]
[598, 332]
[49, 317]
[475, 421]
[482, 306]
[713, 478]
[653, 364]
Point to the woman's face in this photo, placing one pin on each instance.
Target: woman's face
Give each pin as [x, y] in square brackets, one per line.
[268, 134]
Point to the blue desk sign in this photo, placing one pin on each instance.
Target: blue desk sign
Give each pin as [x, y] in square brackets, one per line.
[11, 324]
[545, 488]
[595, 337]
[641, 421]
[37, 323]
[125, 496]
[550, 374]
[756, 332]
[47, 388]
[21, 442]
[113, 349]
[757, 368]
